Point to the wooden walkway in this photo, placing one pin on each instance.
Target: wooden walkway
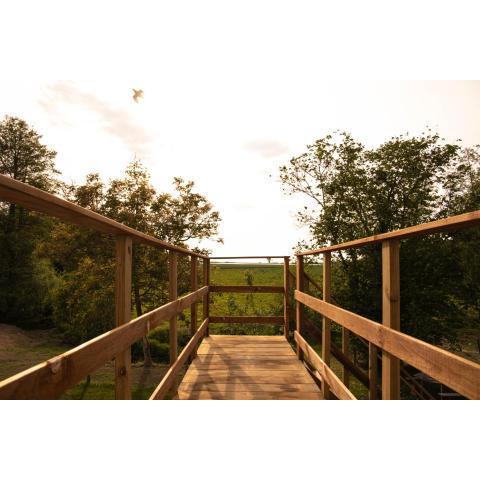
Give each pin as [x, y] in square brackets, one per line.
[231, 367]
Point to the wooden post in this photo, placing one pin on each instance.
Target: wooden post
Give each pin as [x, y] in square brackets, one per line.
[345, 351]
[172, 291]
[286, 293]
[193, 308]
[390, 315]
[206, 298]
[372, 371]
[299, 306]
[123, 312]
[327, 261]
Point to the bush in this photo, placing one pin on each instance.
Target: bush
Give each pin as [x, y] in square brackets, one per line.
[160, 351]
[159, 334]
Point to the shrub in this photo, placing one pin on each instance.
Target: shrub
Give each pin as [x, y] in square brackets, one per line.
[160, 351]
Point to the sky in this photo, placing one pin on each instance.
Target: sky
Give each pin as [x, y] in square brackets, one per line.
[231, 92]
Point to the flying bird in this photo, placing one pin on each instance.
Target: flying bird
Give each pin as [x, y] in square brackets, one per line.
[137, 95]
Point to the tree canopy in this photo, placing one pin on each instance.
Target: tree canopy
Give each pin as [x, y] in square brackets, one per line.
[352, 192]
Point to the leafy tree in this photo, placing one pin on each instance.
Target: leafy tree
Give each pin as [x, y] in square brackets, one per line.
[133, 201]
[355, 192]
[23, 299]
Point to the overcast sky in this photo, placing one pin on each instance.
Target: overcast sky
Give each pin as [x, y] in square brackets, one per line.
[230, 94]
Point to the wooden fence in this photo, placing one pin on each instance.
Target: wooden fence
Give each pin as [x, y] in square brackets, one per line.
[459, 374]
[53, 377]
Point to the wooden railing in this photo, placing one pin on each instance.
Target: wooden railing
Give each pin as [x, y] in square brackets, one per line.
[261, 320]
[51, 378]
[459, 374]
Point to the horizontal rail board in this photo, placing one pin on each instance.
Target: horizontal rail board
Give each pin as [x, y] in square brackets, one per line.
[459, 374]
[35, 199]
[327, 374]
[246, 289]
[253, 257]
[240, 319]
[169, 378]
[50, 379]
[451, 223]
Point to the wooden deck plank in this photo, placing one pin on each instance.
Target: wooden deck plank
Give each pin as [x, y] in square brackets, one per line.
[248, 387]
[245, 367]
[248, 396]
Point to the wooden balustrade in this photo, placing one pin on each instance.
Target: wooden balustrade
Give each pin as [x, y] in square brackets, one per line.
[51, 378]
[286, 299]
[326, 326]
[299, 306]
[460, 374]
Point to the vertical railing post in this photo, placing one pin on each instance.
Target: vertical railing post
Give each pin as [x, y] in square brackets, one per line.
[326, 340]
[372, 371]
[206, 298]
[193, 288]
[286, 296]
[390, 315]
[299, 306]
[345, 351]
[172, 293]
[123, 312]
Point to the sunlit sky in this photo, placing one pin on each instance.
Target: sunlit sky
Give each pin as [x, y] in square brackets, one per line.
[230, 95]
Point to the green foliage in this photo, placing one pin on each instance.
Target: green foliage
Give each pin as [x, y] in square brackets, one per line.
[354, 192]
[25, 282]
[53, 272]
[160, 351]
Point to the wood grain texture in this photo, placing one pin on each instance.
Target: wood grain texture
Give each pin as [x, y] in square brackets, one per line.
[172, 293]
[194, 306]
[390, 315]
[48, 380]
[206, 283]
[326, 325]
[459, 374]
[445, 224]
[170, 379]
[372, 371]
[123, 313]
[299, 309]
[286, 296]
[247, 367]
[35, 199]
[345, 352]
[326, 373]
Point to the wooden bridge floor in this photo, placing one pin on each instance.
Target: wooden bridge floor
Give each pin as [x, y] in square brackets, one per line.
[247, 367]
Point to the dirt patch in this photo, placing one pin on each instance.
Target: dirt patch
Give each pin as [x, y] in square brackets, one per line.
[14, 337]
[22, 349]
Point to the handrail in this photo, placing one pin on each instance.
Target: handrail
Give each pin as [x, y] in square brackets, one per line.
[170, 377]
[48, 380]
[35, 199]
[326, 373]
[450, 223]
[253, 257]
[460, 374]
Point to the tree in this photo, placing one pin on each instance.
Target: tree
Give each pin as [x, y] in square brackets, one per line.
[24, 158]
[131, 200]
[355, 192]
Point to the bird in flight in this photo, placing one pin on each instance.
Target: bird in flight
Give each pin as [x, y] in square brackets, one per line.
[137, 95]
